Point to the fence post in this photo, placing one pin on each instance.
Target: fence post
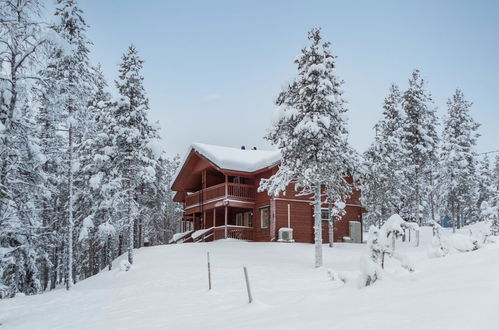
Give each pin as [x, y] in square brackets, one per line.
[209, 271]
[247, 284]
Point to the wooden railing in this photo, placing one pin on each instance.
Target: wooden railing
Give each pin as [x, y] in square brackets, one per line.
[234, 232]
[234, 190]
[241, 190]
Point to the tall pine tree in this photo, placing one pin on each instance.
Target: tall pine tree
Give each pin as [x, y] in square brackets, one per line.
[420, 144]
[311, 133]
[383, 190]
[133, 133]
[22, 40]
[457, 175]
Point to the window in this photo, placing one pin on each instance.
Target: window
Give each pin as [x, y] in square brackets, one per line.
[325, 214]
[264, 217]
[244, 219]
[238, 179]
[239, 219]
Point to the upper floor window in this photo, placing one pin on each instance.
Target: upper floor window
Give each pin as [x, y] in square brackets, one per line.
[238, 179]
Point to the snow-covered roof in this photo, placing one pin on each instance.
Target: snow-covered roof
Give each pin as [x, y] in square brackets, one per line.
[237, 159]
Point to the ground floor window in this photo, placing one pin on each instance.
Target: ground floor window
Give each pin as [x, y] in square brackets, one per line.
[325, 214]
[244, 219]
[264, 213]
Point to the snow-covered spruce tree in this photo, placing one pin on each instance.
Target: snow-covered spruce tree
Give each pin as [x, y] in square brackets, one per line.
[95, 182]
[485, 181]
[457, 168]
[384, 181]
[489, 208]
[165, 214]
[22, 245]
[310, 131]
[67, 80]
[133, 157]
[420, 146]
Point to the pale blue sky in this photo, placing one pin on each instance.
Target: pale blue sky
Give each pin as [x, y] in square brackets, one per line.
[213, 68]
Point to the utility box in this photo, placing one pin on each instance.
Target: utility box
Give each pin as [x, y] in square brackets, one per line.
[286, 235]
[355, 231]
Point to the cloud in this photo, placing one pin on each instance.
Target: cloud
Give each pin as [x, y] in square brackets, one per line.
[211, 97]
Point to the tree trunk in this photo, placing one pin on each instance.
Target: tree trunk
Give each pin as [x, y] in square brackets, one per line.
[69, 280]
[109, 252]
[318, 227]
[453, 212]
[331, 225]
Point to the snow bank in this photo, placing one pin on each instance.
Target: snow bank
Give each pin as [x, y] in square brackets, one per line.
[463, 243]
[167, 287]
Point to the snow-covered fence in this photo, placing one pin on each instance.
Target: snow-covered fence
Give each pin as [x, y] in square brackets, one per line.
[395, 227]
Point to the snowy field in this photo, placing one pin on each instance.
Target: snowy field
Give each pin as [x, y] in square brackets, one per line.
[167, 288]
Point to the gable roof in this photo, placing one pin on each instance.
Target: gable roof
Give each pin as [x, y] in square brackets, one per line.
[225, 158]
[236, 159]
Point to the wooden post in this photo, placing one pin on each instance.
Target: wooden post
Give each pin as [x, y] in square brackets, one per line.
[250, 298]
[226, 215]
[226, 186]
[214, 218]
[289, 216]
[209, 271]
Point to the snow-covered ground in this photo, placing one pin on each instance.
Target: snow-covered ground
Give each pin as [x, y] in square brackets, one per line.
[167, 288]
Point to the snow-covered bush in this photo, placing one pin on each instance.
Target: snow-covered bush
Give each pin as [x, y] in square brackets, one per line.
[381, 243]
[438, 244]
[335, 276]
[464, 243]
[395, 228]
[125, 265]
[490, 213]
[372, 264]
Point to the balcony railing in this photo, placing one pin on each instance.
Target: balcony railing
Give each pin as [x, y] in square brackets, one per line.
[234, 232]
[234, 190]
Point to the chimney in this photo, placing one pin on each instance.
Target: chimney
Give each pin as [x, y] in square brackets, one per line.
[243, 148]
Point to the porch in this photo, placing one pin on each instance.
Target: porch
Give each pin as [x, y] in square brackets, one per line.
[220, 223]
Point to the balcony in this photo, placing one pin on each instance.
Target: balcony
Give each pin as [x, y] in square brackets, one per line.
[236, 191]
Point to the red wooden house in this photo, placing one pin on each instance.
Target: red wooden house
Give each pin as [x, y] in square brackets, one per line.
[218, 188]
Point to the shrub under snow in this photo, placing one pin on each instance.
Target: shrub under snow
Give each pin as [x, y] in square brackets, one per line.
[439, 245]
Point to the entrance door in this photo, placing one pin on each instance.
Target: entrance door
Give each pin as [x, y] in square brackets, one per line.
[355, 234]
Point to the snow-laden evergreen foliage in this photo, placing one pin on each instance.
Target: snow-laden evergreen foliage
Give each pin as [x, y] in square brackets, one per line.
[384, 183]
[63, 144]
[457, 181]
[420, 142]
[310, 130]
[21, 182]
[133, 133]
